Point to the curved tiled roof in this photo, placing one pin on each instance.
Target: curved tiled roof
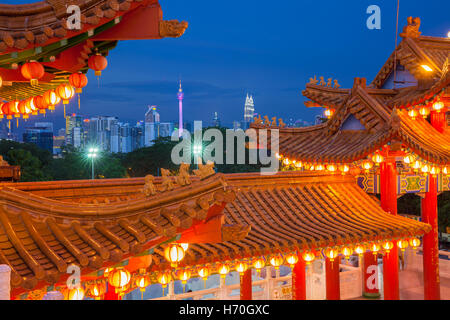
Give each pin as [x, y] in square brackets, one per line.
[299, 211]
[412, 53]
[328, 143]
[40, 237]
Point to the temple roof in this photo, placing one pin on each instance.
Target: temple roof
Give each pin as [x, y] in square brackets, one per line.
[412, 53]
[40, 237]
[299, 211]
[39, 31]
[378, 115]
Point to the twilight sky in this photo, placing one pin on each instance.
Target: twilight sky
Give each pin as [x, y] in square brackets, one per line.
[266, 48]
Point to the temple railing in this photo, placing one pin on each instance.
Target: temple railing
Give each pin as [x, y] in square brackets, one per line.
[279, 288]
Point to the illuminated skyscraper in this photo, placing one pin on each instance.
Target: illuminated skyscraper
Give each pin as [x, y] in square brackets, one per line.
[180, 97]
[249, 110]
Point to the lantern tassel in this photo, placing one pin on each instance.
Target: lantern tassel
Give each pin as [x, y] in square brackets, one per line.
[79, 103]
[64, 111]
[17, 119]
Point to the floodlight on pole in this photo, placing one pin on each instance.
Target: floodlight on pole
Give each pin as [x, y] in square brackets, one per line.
[92, 154]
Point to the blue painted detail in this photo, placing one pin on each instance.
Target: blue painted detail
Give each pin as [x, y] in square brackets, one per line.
[404, 79]
[351, 123]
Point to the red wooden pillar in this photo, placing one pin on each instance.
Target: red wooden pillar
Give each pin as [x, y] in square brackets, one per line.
[246, 285]
[431, 243]
[388, 188]
[299, 280]
[333, 287]
[111, 293]
[437, 120]
[370, 276]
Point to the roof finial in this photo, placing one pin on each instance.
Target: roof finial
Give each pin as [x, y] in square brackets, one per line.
[412, 29]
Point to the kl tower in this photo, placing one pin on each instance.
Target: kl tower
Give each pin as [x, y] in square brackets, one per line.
[180, 96]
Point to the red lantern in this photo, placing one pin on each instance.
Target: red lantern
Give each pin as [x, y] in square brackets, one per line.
[1, 109]
[6, 111]
[39, 103]
[78, 80]
[97, 63]
[32, 71]
[50, 98]
[23, 110]
[14, 108]
[31, 106]
[65, 92]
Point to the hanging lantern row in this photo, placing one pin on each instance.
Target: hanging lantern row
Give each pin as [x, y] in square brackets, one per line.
[122, 281]
[277, 260]
[33, 71]
[311, 166]
[433, 104]
[369, 165]
[37, 104]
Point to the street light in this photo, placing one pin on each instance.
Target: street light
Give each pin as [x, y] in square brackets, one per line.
[197, 150]
[92, 154]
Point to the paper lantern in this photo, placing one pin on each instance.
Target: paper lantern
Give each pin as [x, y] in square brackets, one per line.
[40, 103]
[119, 278]
[98, 63]
[50, 98]
[402, 244]
[76, 293]
[95, 290]
[331, 253]
[308, 257]
[292, 259]
[258, 264]
[78, 80]
[174, 253]
[387, 246]
[164, 278]
[241, 267]
[276, 261]
[347, 252]
[32, 71]
[223, 269]
[65, 92]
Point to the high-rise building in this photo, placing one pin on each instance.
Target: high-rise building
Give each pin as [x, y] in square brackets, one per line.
[236, 125]
[180, 96]
[42, 136]
[216, 120]
[249, 109]
[151, 121]
[74, 130]
[100, 131]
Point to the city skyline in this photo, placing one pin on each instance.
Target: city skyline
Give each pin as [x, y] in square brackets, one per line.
[219, 61]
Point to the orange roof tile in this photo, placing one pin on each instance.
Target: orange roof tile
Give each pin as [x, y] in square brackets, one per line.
[299, 211]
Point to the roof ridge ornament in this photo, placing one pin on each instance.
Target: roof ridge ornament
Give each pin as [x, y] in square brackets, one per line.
[205, 170]
[172, 28]
[411, 30]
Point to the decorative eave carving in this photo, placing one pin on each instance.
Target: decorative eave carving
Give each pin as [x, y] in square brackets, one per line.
[172, 28]
[235, 232]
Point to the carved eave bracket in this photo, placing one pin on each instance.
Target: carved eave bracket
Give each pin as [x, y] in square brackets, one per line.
[235, 232]
[172, 28]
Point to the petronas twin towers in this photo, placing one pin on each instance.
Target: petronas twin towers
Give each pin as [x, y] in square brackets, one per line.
[249, 109]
